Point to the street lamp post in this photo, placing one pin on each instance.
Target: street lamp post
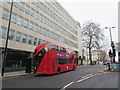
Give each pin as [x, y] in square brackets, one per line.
[5, 53]
[112, 44]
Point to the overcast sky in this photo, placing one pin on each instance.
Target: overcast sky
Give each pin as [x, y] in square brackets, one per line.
[104, 12]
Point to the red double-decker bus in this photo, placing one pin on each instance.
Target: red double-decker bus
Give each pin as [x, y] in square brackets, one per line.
[51, 58]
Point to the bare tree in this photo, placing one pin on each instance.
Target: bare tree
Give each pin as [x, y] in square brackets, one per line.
[92, 36]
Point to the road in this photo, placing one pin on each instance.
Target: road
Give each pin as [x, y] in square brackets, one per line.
[83, 77]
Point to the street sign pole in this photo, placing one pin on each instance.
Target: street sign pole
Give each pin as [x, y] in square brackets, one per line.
[112, 45]
[5, 53]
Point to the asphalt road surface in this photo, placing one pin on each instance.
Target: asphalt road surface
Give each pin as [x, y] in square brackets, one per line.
[83, 77]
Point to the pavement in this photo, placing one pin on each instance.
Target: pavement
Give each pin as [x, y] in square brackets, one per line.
[11, 74]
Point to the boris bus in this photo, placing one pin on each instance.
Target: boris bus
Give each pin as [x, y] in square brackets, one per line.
[51, 58]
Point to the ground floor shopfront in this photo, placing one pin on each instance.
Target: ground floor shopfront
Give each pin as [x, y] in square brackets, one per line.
[16, 59]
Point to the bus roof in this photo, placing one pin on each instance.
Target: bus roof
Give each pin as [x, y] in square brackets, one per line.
[39, 47]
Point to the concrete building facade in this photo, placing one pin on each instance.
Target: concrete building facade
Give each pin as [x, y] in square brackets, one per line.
[34, 23]
[97, 57]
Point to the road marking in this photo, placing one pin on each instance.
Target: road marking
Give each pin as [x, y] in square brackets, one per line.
[83, 78]
[87, 75]
[67, 85]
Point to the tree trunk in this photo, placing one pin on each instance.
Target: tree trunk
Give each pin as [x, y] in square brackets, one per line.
[90, 56]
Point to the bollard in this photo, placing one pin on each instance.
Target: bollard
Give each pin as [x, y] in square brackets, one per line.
[108, 66]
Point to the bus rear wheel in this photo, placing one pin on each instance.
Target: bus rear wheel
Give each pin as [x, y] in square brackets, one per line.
[58, 71]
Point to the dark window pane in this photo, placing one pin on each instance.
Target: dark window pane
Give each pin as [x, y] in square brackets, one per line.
[11, 35]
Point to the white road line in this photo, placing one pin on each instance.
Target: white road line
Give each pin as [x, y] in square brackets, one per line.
[67, 85]
[86, 78]
[82, 79]
[87, 75]
[98, 73]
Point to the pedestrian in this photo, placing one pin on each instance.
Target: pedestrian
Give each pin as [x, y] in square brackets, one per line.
[28, 65]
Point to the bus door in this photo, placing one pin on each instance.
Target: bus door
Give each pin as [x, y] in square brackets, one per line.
[51, 62]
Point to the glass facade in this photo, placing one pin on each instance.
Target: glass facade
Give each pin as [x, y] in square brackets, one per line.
[34, 23]
[34, 26]
[46, 33]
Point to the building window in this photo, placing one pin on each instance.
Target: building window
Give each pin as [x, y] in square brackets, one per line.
[27, 10]
[5, 14]
[18, 36]
[3, 31]
[21, 5]
[13, 18]
[36, 27]
[11, 35]
[32, 12]
[24, 38]
[40, 29]
[15, 3]
[39, 41]
[1, 12]
[42, 41]
[0, 32]
[35, 41]
[41, 17]
[44, 31]
[44, 19]
[31, 25]
[30, 39]
[36, 15]
[19, 20]
[26, 23]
